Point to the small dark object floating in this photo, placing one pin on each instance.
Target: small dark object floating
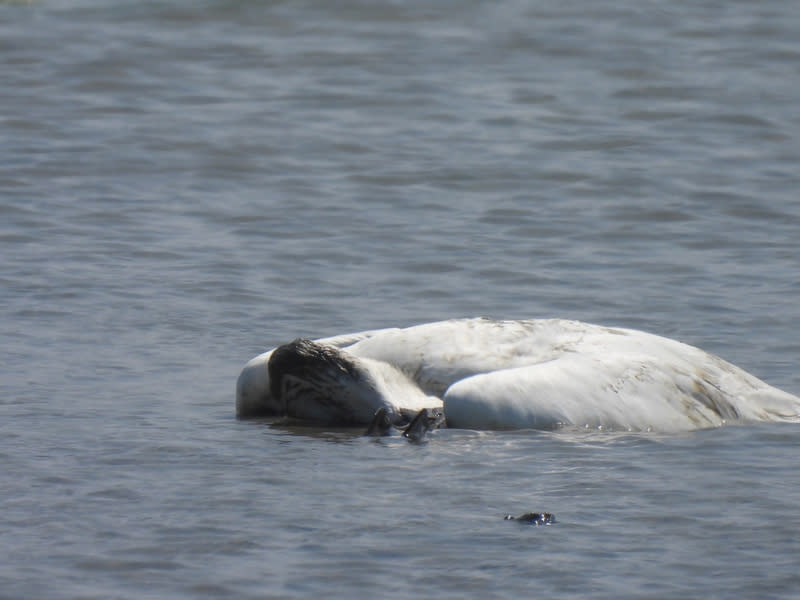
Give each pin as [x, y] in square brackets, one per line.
[533, 518]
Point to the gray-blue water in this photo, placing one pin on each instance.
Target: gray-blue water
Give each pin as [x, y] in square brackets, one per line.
[185, 184]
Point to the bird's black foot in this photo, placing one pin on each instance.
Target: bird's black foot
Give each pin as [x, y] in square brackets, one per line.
[426, 420]
[382, 423]
[414, 426]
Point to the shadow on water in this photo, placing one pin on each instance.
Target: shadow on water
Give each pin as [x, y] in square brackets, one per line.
[318, 431]
[568, 435]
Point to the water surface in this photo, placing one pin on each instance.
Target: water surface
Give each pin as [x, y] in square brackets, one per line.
[185, 185]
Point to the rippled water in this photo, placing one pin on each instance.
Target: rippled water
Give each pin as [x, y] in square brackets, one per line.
[186, 184]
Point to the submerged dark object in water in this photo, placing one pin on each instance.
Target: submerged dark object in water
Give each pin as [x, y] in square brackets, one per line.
[533, 518]
[413, 430]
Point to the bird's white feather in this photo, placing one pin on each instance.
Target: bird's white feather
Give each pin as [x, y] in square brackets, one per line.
[544, 373]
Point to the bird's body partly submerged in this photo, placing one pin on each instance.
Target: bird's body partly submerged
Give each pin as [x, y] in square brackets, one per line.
[490, 374]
